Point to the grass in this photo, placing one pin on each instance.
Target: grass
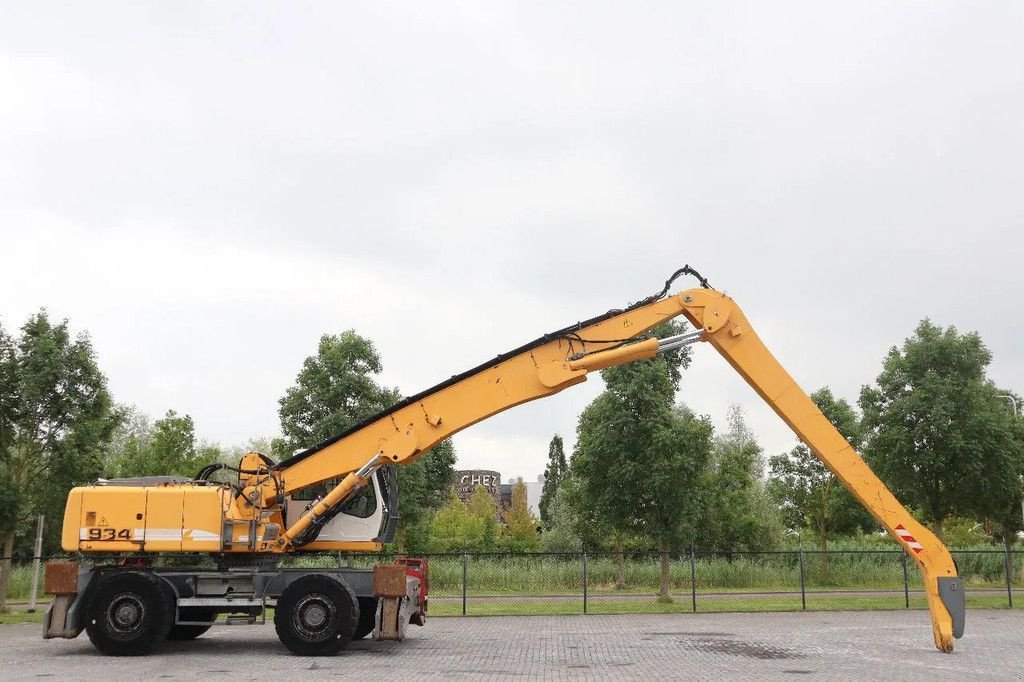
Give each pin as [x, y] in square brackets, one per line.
[739, 604]
[14, 617]
[528, 607]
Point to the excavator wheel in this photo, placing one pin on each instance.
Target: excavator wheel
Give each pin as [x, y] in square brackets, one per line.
[316, 615]
[184, 633]
[367, 617]
[129, 614]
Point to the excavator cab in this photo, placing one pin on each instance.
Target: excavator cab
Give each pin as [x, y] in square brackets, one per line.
[370, 516]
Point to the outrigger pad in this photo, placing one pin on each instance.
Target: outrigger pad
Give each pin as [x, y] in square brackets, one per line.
[951, 591]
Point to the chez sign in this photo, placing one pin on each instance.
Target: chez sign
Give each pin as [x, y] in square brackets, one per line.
[469, 480]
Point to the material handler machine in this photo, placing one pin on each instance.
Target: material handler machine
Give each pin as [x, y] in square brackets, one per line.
[341, 495]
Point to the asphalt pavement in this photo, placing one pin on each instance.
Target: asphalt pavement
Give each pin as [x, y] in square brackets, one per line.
[843, 645]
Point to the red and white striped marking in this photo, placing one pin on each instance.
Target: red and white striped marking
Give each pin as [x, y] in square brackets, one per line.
[909, 539]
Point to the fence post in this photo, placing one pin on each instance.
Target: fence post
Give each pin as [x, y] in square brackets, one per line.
[906, 579]
[1009, 576]
[585, 576]
[693, 577]
[35, 565]
[803, 587]
[465, 571]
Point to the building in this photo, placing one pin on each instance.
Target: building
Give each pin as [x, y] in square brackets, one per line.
[467, 480]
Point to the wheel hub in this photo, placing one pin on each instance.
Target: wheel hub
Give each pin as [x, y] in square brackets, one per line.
[126, 613]
[314, 616]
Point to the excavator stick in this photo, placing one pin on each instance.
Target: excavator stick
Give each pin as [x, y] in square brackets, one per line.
[727, 330]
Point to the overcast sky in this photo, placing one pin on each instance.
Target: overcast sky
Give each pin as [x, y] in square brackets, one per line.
[208, 188]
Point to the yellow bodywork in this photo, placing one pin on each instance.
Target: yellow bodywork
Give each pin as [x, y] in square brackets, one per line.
[162, 518]
[212, 518]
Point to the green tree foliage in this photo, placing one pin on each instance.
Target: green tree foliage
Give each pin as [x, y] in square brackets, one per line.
[521, 526]
[808, 494]
[421, 484]
[586, 521]
[10, 494]
[637, 460]
[737, 514]
[561, 534]
[58, 418]
[557, 469]
[166, 447]
[1006, 512]
[466, 526]
[605, 509]
[334, 391]
[455, 528]
[937, 432]
[482, 506]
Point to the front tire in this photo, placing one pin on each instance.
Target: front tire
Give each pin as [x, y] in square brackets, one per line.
[129, 614]
[316, 615]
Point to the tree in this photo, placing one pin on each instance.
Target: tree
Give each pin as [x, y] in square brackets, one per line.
[130, 439]
[521, 525]
[336, 390]
[561, 535]
[166, 447]
[808, 493]
[679, 456]
[481, 506]
[636, 459]
[11, 493]
[1006, 514]
[736, 513]
[596, 466]
[421, 484]
[938, 433]
[455, 528]
[556, 471]
[58, 419]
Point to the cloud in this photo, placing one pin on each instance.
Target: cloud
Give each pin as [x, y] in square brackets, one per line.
[208, 188]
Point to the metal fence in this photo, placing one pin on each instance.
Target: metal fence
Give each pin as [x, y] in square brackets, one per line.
[507, 583]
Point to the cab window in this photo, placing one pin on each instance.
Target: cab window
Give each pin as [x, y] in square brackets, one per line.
[361, 506]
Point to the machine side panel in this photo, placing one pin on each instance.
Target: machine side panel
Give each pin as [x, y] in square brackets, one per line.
[162, 527]
[203, 519]
[109, 518]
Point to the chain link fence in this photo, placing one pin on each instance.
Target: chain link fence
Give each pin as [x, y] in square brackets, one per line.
[508, 583]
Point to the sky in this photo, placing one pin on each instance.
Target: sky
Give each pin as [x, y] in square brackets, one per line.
[206, 188]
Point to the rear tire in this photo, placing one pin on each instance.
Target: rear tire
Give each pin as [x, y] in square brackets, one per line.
[367, 617]
[316, 615]
[184, 633]
[129, 613]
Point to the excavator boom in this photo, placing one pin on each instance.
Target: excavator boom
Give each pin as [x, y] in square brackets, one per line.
[564, 359]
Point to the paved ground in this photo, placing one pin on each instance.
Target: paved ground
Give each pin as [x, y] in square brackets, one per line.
[844, 645]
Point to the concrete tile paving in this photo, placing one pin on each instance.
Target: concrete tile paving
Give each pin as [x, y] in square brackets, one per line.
[835, 645]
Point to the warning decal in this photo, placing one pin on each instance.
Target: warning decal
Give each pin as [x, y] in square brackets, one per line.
[909, 539]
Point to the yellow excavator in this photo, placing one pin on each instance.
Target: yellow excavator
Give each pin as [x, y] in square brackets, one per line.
[342, 495]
